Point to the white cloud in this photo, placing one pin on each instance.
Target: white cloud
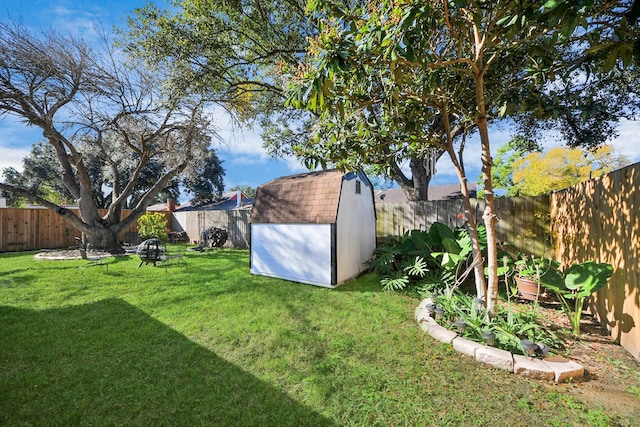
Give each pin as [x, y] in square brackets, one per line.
[628, 140]
[78, 24]
[78, 19]
[16, 140]
[243, 147]
[12, 157]
[499, 134]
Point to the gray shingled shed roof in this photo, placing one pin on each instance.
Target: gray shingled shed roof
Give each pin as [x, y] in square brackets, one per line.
[308, 198]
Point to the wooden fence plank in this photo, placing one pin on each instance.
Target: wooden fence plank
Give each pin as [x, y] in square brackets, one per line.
[523, 221]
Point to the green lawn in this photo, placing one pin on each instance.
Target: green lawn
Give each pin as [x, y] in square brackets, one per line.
[210, 344]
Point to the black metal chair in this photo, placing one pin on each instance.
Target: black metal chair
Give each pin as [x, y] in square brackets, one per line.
[92, 261]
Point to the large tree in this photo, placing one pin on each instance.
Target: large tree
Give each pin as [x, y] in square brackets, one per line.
[457, 62]
[256, 45]
[41, 173]
[229, 51]
[89, 102]
[40, 176]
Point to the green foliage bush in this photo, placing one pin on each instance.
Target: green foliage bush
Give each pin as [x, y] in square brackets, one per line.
[576, 284]
[436, 262]
[435, 255]
[153, 226]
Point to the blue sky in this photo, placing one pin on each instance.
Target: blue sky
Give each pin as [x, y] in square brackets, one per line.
[244, 159]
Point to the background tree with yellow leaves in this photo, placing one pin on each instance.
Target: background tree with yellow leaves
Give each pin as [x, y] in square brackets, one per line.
[540, 173]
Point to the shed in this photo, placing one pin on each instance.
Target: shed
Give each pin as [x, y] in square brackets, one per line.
[317, 228]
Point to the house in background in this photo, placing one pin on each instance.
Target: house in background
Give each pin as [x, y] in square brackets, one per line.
[227, 201]
[317, 228]
[436, 192]
[169, 206]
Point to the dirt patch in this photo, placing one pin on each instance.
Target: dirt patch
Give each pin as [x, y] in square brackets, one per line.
[612, 375]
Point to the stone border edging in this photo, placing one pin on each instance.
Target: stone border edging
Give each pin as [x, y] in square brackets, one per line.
[556, 368]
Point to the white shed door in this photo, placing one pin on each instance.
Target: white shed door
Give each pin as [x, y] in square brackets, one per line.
[296, 252]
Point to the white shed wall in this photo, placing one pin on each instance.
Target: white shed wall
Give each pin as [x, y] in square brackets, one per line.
[356, 230]
[296, 252]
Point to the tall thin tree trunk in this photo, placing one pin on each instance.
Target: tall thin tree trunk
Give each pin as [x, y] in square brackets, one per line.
[489, 216]
[478, 262]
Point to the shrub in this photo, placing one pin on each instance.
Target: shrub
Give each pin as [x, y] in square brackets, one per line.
[442, 252]
[153, 226]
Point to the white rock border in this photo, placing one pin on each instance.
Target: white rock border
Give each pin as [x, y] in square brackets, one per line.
[557, 368]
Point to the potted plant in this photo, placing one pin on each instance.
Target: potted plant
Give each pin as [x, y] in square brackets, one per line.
[532, 273]
[578, 283]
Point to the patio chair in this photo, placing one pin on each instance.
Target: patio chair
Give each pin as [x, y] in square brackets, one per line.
[91, 261]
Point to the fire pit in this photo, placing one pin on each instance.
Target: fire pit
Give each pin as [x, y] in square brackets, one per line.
[151, 251]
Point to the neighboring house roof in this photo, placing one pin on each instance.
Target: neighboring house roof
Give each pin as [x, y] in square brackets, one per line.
[169, 206]
[308, 198]
[391, 195]
[228, 201]
[436, 192]
[158, 207]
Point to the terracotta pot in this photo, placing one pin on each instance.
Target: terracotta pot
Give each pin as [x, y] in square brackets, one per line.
[528, 288]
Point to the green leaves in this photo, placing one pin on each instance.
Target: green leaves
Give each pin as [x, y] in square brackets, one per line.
[419, 268]
[394, 283]
[580, 282]
[586, 278]
[152, 225]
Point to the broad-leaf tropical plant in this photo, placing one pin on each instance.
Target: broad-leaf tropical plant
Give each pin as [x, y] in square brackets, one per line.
[578, 283]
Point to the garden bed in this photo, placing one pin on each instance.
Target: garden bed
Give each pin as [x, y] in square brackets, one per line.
[609, 369]
[610, 372]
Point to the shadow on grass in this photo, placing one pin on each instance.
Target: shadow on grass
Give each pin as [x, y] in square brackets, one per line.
[110, 363]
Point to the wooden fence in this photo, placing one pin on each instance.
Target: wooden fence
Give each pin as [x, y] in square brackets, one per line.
[37, 228]
[236, 222]
[523, 221]
[599, 220]
[525, 224]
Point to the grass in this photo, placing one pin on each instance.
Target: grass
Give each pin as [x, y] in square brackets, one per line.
[210, 344]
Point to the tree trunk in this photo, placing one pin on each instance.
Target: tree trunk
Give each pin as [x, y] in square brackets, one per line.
[489, 216]
[478, 261]
[416, 188]
[421, 176]
[105, 239]
[490, 219]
